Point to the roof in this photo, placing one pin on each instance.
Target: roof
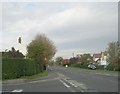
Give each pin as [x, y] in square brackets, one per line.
[98, 55]
[65, 59]
[104, 53]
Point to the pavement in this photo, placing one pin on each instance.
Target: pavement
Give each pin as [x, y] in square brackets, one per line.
[61, 79]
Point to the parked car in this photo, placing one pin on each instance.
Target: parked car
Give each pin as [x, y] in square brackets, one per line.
[91, 66]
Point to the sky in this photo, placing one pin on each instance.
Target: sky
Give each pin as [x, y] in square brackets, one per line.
[74, 27]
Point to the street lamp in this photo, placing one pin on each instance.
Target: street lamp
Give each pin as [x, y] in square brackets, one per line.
[46, 63]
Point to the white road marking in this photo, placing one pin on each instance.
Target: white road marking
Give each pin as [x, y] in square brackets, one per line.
[77, 84]
[71, 82]
[64, 83]
[74, 83]
[17, 90]
[67, 86]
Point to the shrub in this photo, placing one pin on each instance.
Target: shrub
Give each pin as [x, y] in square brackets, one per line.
[100, 67]
[15, 68]
[112, 67]
[84, 66]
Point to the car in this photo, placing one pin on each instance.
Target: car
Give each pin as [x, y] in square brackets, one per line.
[91, 66]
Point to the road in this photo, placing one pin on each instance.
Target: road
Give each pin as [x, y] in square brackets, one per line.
[63, 79]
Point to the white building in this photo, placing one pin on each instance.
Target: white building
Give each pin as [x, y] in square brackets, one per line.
[100, 58]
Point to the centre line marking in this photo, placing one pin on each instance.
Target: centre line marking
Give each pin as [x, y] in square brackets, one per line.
[64, 83]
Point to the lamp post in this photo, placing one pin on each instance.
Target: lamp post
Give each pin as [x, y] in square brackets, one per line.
[46, 63]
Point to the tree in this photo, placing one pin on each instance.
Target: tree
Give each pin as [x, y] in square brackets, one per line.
[113, 51]
[73, 60]
[41, 49]
[85, 58]
[59, 60]
[12, 54]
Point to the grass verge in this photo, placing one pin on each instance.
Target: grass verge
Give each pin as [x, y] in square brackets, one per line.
[102, 72]
[42, 74]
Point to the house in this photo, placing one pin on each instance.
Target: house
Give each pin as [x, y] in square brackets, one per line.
[100, 58]
[65, 62]
[96, 57]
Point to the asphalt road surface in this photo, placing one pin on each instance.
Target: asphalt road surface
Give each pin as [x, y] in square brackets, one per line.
[61, 79]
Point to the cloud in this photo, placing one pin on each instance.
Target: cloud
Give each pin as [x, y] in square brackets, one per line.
[68, 53]
[59, 1]
[75, 26]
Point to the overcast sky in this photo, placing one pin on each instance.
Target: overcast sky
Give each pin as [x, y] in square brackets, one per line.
[73, 27]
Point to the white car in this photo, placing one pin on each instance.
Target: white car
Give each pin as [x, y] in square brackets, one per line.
[91, 66]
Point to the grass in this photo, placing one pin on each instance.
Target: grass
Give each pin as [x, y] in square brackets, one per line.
[115, 73]
[103, 72]
[42, 74]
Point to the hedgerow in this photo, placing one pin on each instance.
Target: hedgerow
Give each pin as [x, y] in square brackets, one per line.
[15, 68]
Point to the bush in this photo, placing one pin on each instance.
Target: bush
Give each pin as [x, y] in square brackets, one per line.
[112, 67]
[100, 67]
[15, 68]
[84, 66]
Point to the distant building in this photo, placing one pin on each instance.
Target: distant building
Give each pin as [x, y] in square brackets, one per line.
[100, 58]
[65, 62]
[96, 57]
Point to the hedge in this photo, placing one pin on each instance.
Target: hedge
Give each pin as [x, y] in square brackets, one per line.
[84, 66]
[112, 67]
[15, 68]
[100, 67]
